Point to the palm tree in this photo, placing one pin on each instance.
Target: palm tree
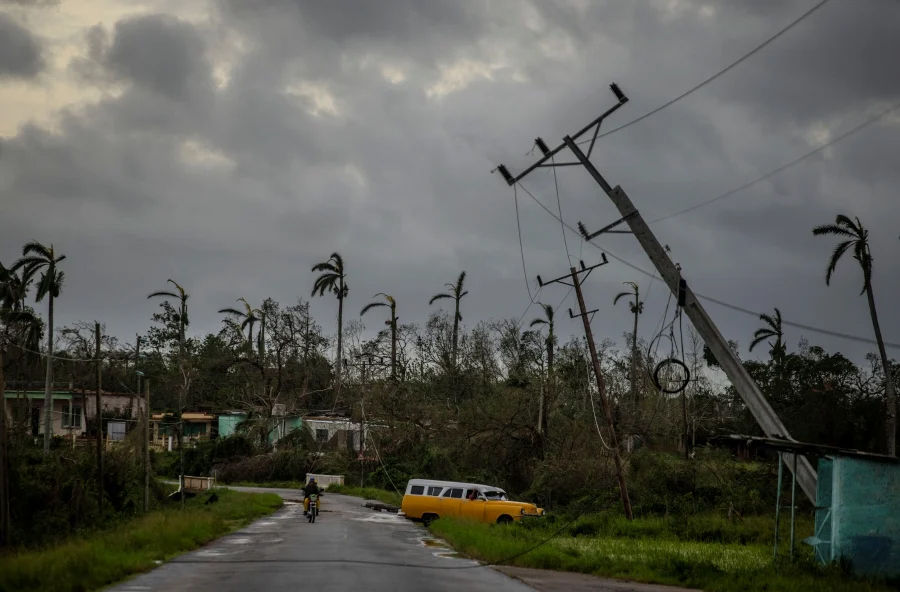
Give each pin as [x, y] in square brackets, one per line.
[37, 257]
[454, 292]
[246, 319]
[181, 317]
[551, 341]
[637, 307]
[772, 329]
[389, 302]
[858, 240]
[334, 280]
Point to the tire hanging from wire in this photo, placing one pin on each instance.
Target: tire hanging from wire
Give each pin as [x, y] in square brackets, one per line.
[672, 361]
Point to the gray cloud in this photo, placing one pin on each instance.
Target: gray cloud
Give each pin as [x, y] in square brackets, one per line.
[20, 51]
[157, 53]
[237, 190]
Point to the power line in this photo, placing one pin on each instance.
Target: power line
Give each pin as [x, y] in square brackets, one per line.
[559, 207]
[783, 167]
[709, 298]
[714, 76]
[521, 246]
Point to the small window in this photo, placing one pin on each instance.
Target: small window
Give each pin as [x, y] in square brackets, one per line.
[472, 494]
[417, 490]
[321, 435]
[455, 493]
[435, 490]
[72, 420]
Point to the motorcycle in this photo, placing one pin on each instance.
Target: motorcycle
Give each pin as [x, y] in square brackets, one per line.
[313, 508]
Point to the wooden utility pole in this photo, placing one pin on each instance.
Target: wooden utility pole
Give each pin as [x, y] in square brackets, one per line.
[146, 445]
[4, 461]
[574, 275]
[99, 419]
[137, 359]
[743, 383]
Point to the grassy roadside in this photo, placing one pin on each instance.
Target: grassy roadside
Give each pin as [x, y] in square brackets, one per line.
[388, 497]
[100, 559]
[710, 558]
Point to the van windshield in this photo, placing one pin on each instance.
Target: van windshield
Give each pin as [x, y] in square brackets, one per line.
[495, 495]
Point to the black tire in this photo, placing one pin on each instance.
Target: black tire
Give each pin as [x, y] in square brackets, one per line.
[427, 519]
[505, 519]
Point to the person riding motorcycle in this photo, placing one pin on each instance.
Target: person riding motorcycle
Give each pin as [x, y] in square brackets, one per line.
[310, 488]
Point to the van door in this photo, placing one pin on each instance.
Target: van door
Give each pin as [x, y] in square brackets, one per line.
[472, 509]
[450, 502]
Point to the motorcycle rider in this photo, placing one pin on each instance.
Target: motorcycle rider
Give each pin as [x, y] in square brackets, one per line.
[310, 488]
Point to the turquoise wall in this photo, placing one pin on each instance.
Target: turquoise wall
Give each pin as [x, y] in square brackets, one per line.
[859, 515]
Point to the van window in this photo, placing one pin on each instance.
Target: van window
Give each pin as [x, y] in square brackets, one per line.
[417, 490]
[435, 490]
[456, 493]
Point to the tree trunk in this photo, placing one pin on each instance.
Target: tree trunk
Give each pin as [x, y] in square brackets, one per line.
[637, 312]
[306, 360]
[262, 339]
[455, 335]
[48, 384]
[340, 344]
[889, 394]
[393, 344]
[548, 391]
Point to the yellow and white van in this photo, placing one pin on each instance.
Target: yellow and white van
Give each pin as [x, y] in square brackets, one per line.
[426, 500]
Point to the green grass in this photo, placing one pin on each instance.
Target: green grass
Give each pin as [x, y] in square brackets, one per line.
[706, 552]
[100, 559]
[388, 497]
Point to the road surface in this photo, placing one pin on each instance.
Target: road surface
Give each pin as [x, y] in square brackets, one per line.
[348, 548]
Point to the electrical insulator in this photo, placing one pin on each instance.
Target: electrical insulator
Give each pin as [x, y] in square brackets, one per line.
[542, 146]
[618, 92]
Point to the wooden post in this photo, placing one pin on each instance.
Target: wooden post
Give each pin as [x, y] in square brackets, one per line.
[146, 445]
[595, 361]
[99, 419]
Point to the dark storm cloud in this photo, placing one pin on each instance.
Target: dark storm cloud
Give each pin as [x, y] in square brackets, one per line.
[20, 51]
[156, 53]
[237, 190]
[30, 3]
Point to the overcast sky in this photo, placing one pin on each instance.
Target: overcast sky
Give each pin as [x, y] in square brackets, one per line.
[233, 144]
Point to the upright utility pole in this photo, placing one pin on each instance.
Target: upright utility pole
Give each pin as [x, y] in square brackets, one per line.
[137, 359]
[4, 462]
[731, 365]
[99, 419]
[574, 274]
[146, 445]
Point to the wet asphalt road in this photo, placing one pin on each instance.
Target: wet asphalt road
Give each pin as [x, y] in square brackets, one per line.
[348, 548]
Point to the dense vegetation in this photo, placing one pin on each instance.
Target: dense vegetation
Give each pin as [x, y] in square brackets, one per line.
[500, 401]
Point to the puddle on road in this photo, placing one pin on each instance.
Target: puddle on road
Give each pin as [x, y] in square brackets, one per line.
[434, 543]
[380, 518]
[212, 553]
[239, 541]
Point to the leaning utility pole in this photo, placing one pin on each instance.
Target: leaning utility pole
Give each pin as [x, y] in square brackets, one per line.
[99, 420]
[731, 365]
[595, 361]
[146, 445]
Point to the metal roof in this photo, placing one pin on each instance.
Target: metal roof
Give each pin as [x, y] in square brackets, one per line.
[808, 448]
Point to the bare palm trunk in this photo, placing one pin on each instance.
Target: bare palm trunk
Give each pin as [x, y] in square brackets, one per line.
[262, 338]
[48, 382]
[455, 334]
[889, 394]
[637, 312]
[181, 400]
[393, 346]
[340, 344]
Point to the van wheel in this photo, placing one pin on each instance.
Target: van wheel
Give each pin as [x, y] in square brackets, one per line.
[505, 519]
[427, 519]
